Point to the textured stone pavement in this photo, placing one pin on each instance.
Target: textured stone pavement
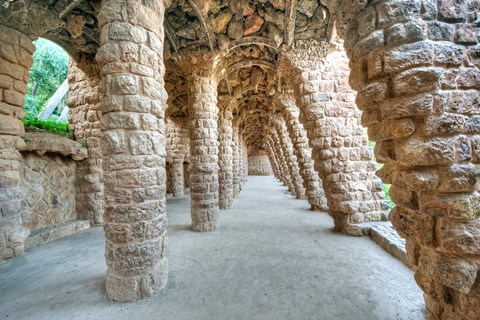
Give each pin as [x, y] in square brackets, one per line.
[271, 259]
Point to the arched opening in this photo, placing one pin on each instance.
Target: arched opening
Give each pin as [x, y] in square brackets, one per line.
[47, 90]
[51, 159]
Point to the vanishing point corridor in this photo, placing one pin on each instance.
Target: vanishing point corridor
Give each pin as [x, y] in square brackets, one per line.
[272, 259]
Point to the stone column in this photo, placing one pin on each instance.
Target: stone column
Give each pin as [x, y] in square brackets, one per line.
[178, 180]
[241, 163]
[278, 156]
[342, 157]
[298, 136]
[177, 144]
[286, 159]
[273, 159]
[15, 61]
[203, 110]
[245, 163]
[134, 147]
[283, 161]
[415, 65]
[225, 154]
[84, 120]
[186, 174]
[291, 158]
[236, 162]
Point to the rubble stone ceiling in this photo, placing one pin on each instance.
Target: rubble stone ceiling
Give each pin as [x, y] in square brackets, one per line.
[247, 34]
[70, 23]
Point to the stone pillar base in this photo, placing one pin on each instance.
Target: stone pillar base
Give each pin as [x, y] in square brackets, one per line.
[128, 289]
[225, 204]
[205, 226]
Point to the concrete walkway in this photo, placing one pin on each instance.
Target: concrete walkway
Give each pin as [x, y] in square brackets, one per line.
[273, 259]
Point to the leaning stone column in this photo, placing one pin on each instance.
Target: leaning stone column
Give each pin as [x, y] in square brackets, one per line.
[343, 159]
[203, 110]
[278, 156]
[273, 161]
[283, 161]
[15, 61]
[291, 158]
[236, 162]
[133, 144]
[225, 153]
[416, 67]
[298, 136]
[245, 163]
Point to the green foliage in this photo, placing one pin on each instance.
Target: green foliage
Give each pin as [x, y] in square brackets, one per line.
[49, 70]
[386, 189]
[60, 128]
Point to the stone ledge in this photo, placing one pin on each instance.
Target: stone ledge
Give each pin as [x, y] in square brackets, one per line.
[54, 232]
[43, 142]
[387, 237]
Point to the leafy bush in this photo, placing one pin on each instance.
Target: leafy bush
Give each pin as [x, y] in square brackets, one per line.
[60, 128]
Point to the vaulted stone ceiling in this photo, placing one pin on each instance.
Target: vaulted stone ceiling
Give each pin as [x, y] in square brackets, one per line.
[248, 36]
[70, 23]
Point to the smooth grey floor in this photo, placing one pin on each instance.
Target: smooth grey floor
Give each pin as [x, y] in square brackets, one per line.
[272, 259]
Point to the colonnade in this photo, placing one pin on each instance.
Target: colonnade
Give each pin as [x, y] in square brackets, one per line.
[412, 84]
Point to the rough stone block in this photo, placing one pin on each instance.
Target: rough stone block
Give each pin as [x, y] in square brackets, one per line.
[453, 272]
[390, 12]
[460, 237]
[408, 56]
[459, 206]
[458, 178]
[426, 152]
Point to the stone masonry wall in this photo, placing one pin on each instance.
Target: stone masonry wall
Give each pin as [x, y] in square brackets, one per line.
[259, 164]
[84, 120]
[48, 185]
[416, 66]
[16, 50]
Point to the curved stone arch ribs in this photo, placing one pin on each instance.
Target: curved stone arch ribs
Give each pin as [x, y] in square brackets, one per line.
[204, 21]
[416, 69]
[251, 40]
[290, 16]
[249, 64]
[170, 35]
